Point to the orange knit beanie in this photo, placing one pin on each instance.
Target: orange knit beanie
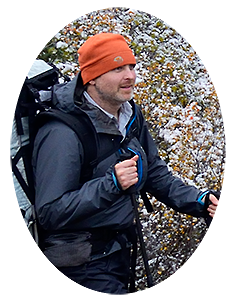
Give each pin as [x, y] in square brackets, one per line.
[102, 53]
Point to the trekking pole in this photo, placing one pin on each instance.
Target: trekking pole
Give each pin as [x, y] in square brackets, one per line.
[132, 192]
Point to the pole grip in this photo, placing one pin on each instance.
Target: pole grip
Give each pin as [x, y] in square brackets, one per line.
[208, 218]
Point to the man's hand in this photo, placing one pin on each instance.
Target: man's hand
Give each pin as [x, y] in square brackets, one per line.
[126, 172]
[212, 207]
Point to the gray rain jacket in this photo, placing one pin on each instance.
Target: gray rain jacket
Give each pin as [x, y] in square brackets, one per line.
[63, 204]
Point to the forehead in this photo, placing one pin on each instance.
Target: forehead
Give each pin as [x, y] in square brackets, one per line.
[118, 73]
[124, 68]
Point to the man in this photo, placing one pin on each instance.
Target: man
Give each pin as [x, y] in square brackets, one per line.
[87, 225]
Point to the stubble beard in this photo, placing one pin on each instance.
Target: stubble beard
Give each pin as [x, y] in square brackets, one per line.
[114, 98]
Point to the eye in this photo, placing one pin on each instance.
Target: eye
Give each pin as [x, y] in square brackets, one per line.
[119, 69]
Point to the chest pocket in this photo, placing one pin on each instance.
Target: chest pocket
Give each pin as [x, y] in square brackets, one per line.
[108, 146]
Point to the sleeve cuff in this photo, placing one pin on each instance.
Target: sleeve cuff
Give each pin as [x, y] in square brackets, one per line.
[199, 200]
[116, 182]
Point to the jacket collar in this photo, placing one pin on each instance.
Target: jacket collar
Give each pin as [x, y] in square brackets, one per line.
[125, 114]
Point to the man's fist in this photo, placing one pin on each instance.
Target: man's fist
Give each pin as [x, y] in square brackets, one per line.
[213, 206]
[126, 172]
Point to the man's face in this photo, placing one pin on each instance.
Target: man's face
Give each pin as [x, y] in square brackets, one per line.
[116, 86]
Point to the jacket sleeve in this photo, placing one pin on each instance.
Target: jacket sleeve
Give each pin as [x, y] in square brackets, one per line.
[60, 200]
[164, 186]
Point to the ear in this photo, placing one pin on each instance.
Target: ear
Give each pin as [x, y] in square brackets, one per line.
[92, 82]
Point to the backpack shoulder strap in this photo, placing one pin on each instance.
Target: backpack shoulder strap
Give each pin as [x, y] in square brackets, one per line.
[83, 127]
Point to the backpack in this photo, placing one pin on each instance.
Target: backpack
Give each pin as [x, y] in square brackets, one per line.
[35, 108]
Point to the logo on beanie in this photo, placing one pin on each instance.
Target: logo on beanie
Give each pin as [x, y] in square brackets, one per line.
[118, 59]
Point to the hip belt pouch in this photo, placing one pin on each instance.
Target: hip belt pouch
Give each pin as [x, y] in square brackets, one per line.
[68, 250]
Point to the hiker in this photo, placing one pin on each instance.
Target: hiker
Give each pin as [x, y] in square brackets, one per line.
[87, 225]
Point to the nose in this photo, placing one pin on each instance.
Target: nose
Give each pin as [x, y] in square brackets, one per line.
[129, 72]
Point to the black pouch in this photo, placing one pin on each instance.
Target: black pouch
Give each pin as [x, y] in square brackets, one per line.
[68, 250]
